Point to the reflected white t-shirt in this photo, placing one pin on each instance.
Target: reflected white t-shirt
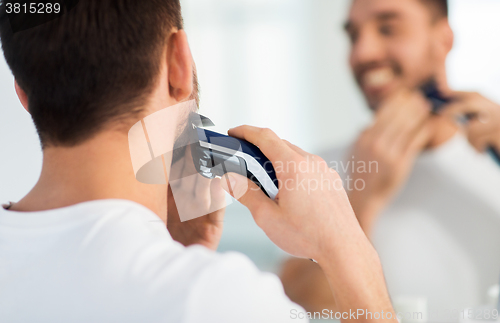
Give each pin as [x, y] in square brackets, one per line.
[439, 239]
[114, 261]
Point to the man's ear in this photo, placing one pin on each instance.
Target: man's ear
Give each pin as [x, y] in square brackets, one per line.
[445, 36]
[443, 42]
[22, 96]
[180, 66]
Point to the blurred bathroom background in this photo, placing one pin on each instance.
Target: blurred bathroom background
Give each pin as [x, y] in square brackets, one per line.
[280, 64]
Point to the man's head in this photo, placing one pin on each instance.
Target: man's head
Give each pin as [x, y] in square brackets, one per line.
[397, 43]
[98, 66]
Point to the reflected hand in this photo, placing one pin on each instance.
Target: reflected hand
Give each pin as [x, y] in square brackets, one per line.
[483, 127]
[388, 149]
[195, 195]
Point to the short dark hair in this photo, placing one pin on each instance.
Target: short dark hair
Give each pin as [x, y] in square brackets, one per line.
[439, 8]
[95, 65]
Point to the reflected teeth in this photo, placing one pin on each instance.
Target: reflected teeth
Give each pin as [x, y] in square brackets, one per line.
[378, 78]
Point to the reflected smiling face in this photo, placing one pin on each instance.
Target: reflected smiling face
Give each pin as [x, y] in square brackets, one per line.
[395, 44]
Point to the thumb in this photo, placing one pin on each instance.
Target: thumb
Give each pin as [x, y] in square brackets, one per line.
[248, 194]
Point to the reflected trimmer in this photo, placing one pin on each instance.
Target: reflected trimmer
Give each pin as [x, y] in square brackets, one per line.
[439, 101]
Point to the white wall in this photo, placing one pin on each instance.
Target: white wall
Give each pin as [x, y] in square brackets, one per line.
[474, 63]
[20, 153]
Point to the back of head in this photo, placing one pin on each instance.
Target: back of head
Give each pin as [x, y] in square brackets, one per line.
[92, 67]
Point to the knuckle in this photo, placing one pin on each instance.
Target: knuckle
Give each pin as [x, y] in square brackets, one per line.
[316, 158]
[243, 128]
[322, 164]
[266, 132]
[335, 175]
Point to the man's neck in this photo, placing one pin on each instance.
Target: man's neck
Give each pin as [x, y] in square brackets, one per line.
[99, 168]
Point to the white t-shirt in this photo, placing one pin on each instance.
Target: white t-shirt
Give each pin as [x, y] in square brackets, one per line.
[440, 237]
[114, 261]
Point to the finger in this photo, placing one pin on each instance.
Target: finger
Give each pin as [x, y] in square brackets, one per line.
[250, 195]
[176, 171]
[298, 150]
[398, 104]
[402, 109]
[477, 127]
[180, 173]
[495, 144]
[218, 199]
[468, 103]
[413, 112]
[269, 143]
[406, 135]
[480, 143]
[463, 96]
[419, 140]
[390, 107]
[201, 189]
[480, 134]
[172, 212]
[458, 109]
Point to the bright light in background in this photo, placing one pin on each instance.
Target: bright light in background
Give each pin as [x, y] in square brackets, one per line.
[474, 64]
[277, 64]
[250, 57]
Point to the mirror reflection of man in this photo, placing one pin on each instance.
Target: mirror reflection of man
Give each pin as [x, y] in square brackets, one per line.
[88, 243]
[431, 205]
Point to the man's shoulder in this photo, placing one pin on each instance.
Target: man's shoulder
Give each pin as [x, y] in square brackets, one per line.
[128, 235]
[233, 289]
[119, 259]
[197, 283]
